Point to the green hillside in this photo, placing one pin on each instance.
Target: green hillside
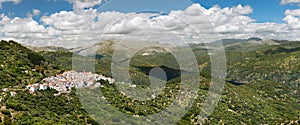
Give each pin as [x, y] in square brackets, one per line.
[262, 84]
[20, 67]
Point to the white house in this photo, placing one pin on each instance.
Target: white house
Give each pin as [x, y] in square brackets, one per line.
[56, 94]
[13, 93]
[33, 88]
[5, 90]
[43, 86]
[145, 54]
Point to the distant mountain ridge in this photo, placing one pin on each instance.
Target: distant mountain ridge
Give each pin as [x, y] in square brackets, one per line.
[46, 48]
[241, 40]
[106, 47]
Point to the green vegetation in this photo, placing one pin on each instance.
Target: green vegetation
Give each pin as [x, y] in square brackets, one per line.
[267, 93]
[44, 108]
[20, 66]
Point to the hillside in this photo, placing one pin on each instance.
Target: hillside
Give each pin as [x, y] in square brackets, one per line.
[266, 90]
[21, 66]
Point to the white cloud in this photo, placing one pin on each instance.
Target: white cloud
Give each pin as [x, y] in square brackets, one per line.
[292, 18]
[81, 4]
[194, 24]
[227, 28]
[36, 12]
[24, 30]
[25, 25]
[242, 10]
[68, 20]
[284, 2]
[292, 21]
[15, 1]
[127, 26]
[293, 12]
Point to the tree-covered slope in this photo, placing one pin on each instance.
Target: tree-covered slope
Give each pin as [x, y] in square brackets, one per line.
[19, 67]
[269, 93]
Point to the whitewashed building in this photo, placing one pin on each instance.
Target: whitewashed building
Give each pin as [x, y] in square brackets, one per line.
[33, 88]
[5, 90]
[43, 86]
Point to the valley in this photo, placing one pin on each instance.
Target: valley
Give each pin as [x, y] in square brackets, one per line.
[262, 84]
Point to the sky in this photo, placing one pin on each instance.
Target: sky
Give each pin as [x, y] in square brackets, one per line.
[264, 10]
[55, 22]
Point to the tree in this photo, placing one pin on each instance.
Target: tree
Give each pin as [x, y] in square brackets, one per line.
[35, 58]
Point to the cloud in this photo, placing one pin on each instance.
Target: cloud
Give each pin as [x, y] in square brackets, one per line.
[194, 24]
[81, 4]
[24, 25]
[65, 20]
[284, 2]
[293, 12]
[227, 28]
[36, 12]
[15, 1]
[292, 21]
[292, 18]
[127, 26]
[25, 30]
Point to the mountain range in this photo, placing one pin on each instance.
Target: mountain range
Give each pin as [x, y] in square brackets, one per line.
[262, 83]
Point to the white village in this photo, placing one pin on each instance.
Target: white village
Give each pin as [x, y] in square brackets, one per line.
[64, 82]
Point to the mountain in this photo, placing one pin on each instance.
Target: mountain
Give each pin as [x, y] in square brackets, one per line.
[46, 48]
[20, 66]
[254, 39]
[232, 41]
[262, 80]
[262, 83]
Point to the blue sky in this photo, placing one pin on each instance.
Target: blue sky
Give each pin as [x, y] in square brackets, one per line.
[231, 18]
[46, 8]
[264, 10]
